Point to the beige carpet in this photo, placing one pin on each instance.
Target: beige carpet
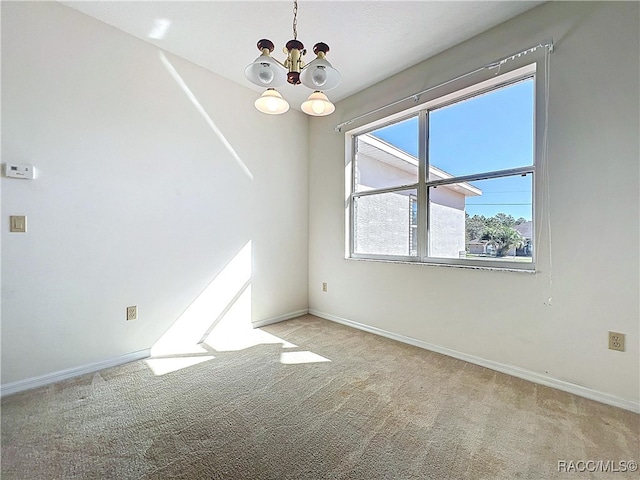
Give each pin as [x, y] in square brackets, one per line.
[365, 407]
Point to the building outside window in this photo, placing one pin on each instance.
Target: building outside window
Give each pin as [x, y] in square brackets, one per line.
[451, 181]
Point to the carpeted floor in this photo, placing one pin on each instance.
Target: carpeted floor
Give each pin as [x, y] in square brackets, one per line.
[363, 407]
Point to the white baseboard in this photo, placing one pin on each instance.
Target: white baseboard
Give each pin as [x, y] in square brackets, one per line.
[499, 367]
[34, 382]
[279, 318]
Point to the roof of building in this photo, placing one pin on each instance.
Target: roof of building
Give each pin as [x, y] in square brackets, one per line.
[477, 241]
[525, 229]
[382, 151]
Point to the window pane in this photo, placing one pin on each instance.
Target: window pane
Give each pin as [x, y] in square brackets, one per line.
[493, 131]
[388, 157]
[386, 223]
[488, 219]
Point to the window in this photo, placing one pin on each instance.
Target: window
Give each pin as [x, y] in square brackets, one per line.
[413, 225]
[451, 181]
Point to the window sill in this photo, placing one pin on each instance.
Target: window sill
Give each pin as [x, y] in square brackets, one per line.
[445, 265]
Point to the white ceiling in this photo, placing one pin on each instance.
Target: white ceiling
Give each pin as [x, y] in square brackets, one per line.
[369, 40]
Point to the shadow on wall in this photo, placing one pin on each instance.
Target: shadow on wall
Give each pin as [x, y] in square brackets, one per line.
[219, 320]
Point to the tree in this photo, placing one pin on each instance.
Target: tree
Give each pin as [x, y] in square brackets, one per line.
[502, 238]
[502, 220]
[474, 226]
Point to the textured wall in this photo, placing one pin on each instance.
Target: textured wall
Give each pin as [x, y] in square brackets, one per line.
[382, 224]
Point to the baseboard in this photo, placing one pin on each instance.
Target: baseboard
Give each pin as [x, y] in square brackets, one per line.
[279, 318]
[499, 367]
[34, 382]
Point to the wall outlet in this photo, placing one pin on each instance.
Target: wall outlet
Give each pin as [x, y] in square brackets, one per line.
[324, 286]
[616, 341]
[132, 313]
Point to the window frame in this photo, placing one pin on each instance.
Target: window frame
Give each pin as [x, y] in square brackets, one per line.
[459, 93]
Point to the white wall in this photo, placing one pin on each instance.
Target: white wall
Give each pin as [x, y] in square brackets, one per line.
[372, 173]
[506, 317]
[138, 201]
[447, 227]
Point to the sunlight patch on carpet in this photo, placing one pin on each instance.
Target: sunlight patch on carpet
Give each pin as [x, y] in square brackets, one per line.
[293, 358]
[162, 366]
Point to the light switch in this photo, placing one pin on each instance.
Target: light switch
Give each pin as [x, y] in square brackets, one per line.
[18, 223]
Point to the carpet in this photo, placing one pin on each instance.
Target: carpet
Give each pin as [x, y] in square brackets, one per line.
[316, 400]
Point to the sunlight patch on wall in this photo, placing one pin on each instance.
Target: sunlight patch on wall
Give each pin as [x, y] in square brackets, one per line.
[162, 366]
[235, 331]
[294, 358]
[181, 83]
[160, 27]
[187, 331]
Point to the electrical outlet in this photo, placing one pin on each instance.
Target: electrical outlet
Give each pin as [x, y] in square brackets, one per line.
[324, 286]
[616, 341]
[132, 313]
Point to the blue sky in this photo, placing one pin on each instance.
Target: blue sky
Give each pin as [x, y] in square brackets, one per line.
[489, 132]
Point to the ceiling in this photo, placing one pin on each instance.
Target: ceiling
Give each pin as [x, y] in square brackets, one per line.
[369, 40]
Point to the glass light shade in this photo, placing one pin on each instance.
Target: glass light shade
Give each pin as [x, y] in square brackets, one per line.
[319, 74]
[265, 72]
[272, 103]
[318, 105]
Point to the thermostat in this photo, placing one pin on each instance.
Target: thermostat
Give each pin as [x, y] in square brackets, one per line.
[13, 170]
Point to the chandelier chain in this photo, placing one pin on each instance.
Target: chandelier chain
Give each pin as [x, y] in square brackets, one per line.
[295, 19]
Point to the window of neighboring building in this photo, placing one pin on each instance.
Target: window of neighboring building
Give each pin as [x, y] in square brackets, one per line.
[450, 182]
[413, 225]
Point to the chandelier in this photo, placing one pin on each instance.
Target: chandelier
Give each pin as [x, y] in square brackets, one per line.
[318, 75]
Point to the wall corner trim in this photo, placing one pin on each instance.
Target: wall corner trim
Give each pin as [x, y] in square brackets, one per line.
[522, 373]
[279, 318]
[42, 380]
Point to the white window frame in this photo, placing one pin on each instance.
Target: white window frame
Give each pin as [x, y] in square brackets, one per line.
[456, 93]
